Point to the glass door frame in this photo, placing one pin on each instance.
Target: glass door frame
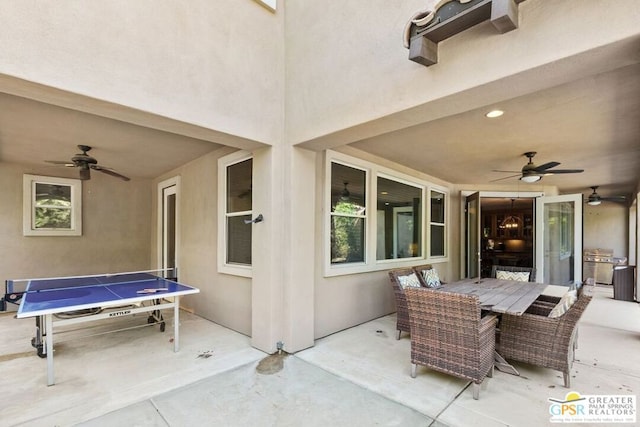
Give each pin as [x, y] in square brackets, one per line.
[464, 241]
[167, 188]
[542, 229]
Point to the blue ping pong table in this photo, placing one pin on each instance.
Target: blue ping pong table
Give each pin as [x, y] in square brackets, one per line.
[109, 296]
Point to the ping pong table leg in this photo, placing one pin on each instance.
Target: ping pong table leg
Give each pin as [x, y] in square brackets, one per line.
[37, 341]
[49, 329]
[176, 323]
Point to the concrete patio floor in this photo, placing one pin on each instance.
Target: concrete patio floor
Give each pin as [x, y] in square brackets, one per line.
[357, 377]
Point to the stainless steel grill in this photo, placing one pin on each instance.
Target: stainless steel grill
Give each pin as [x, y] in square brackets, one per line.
[599, 264]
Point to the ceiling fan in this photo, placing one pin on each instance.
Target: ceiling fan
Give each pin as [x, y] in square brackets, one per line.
[85, 163]
[532, 173]
[595, 199]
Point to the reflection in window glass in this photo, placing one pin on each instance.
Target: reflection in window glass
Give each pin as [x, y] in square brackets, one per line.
[52, 207]
[347, 239]
[348, 219]
[239, 186]
[566, 228]
[399, 229]
[437, 225]
[437, 207]
[239, 242]
[437, 240]
[239, 208]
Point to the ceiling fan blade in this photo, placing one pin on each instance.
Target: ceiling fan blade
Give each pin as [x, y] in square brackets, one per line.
[558, 171]
[614, 198]
[546, 166]
[495, 170]
[60, 162]
[110, 172]
[506, 177]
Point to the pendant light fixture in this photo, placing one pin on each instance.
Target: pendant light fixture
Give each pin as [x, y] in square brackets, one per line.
[511, 222]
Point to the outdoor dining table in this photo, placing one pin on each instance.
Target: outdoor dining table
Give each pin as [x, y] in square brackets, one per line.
[501, 297]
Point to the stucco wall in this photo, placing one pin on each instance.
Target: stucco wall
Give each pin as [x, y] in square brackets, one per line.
[222, 65]
[216, 64]
[223, 298]
[116, 232]
[348, 75]
[606, 227]
[348, 300]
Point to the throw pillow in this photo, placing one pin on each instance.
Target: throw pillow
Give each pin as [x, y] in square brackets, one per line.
[564, 304]
[520, 276]
[410, 280]
[431, 278]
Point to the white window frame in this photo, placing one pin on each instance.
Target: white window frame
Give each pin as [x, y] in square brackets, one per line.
[365, 217]
[29, 204]
[223, 265]
[442, 224]
[373, 171]
[412, 182]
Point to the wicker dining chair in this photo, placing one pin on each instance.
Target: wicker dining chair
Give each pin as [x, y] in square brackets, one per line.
[402, 315]
[448, 334]
[421, 271]
[540, 340]
[513, 269]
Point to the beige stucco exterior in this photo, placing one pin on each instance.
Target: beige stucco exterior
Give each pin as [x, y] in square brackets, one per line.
[218, 64]
[286, 86]
[116, 231]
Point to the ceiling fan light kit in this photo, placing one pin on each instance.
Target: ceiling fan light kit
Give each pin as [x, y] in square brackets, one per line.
[595, 199]
[530, 178]
[533, 173]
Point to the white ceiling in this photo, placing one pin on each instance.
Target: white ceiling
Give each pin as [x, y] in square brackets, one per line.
[591, 123]
[32, 132]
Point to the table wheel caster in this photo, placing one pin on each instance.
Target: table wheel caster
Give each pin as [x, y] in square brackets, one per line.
[39, 348]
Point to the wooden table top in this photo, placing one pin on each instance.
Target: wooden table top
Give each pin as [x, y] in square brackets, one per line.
[499, 296]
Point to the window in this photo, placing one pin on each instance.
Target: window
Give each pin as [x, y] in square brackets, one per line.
[399, 220]
[379, 218]
[437, 224]
[566, 221]
[52, 206]
[234, 231]
[348, 214]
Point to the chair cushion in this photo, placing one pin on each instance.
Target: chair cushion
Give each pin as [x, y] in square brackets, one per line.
[410, 280]
[431, 278]
[564, 304]
[520, 276]
[555, 290]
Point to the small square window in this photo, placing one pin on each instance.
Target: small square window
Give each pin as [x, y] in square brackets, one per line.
[52, 206]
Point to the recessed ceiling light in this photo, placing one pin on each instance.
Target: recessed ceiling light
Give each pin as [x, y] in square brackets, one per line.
[494, 113]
